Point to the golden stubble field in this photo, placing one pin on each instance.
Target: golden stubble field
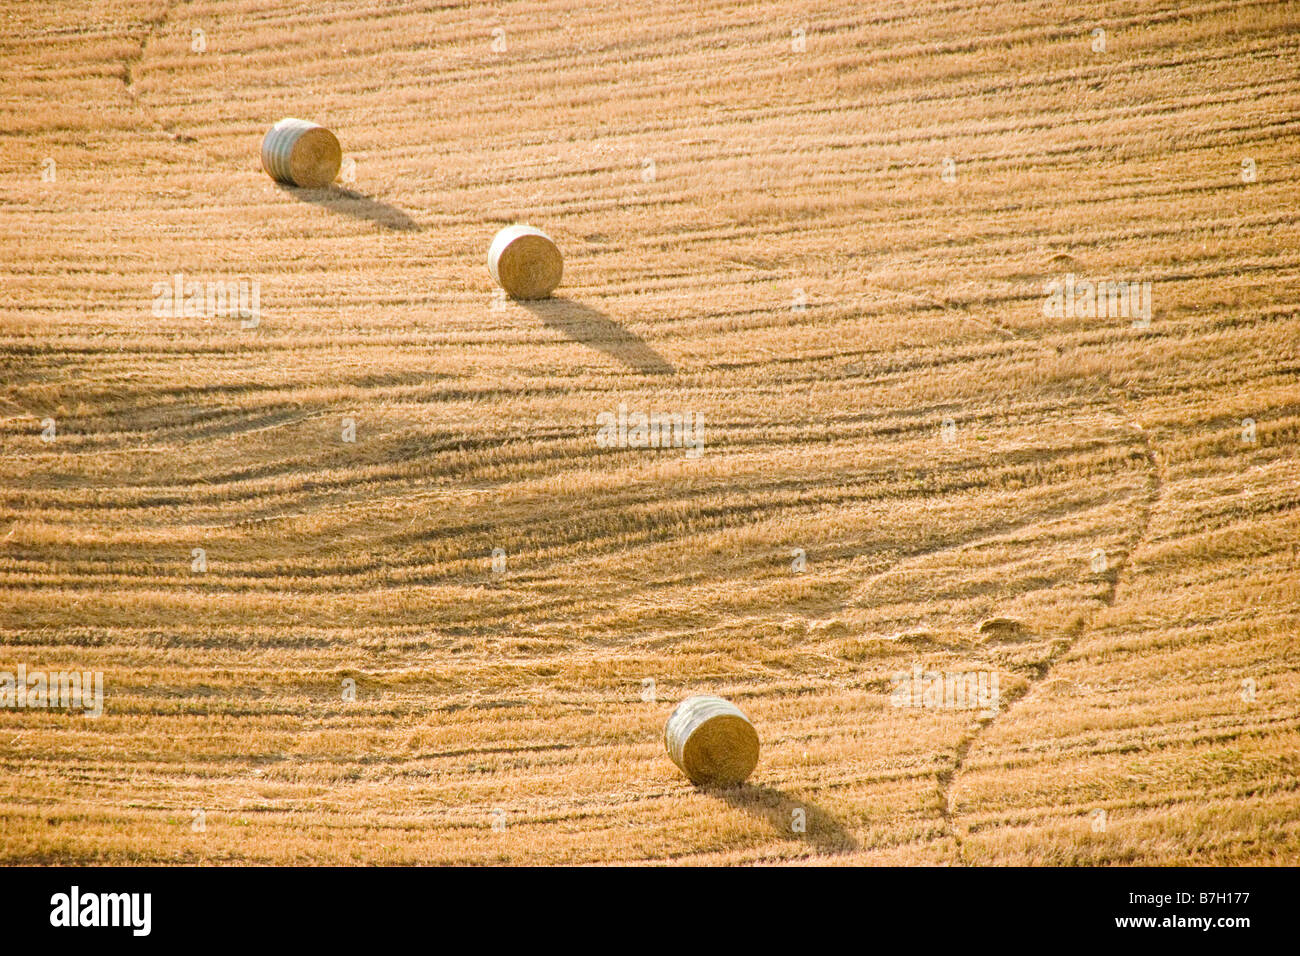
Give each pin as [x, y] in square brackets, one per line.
[827, 229]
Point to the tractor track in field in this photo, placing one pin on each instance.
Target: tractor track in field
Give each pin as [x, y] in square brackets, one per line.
[130, 67]
[948, 777]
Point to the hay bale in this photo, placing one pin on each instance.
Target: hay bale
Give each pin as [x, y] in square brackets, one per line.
[525, 262]
[301, 153]
[712, 742]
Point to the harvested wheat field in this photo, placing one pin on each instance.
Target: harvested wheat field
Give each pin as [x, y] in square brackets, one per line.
[377, 567]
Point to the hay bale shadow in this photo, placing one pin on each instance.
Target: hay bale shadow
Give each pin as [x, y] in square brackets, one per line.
[348, 202]
[595, 329]
[823, 831]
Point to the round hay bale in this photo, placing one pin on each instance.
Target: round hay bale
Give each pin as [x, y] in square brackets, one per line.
[301, 153]
[712, 742]
[525, 262]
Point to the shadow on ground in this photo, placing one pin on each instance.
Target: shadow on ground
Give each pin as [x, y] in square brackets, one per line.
[594, 328]
[354, 204]
[777, 807]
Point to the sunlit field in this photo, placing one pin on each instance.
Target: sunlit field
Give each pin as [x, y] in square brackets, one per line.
[364, 586]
